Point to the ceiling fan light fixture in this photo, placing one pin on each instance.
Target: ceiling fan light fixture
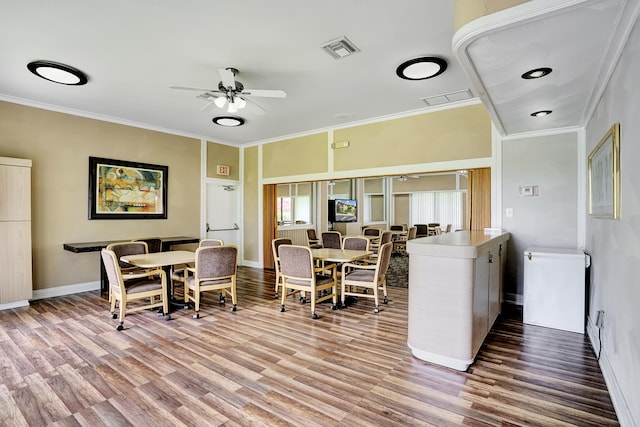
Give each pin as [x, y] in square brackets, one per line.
[232, 108]
[220, 101]
[240, 103]
[421, 68]
[228, 121]
[536, 73]
[58, 73]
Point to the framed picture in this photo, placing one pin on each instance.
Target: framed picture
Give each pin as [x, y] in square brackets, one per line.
[604, 176]
[127, 190]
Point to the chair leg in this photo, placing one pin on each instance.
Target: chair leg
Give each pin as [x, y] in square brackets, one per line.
[313, 305]
[123, 309]
[283, 297]
[375, 299]
[233, 296]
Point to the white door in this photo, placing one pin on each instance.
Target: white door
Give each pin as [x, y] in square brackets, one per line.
[222, 213]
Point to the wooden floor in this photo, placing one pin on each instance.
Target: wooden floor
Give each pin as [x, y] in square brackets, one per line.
[63, 363]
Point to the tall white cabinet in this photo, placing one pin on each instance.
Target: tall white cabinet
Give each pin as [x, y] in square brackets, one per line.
[15, 232]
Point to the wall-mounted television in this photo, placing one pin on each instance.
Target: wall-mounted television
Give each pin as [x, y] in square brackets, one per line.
[343, 210]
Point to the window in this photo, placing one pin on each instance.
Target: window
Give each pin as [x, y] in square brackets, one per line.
[374, 203]
[294, 203]
[443, 207]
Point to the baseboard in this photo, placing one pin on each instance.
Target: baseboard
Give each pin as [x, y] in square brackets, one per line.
[617, 397]
[65, 290]
[254, 264]
[14, 304]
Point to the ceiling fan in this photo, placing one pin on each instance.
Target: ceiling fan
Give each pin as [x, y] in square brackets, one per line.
[232, 93]
[403, 178]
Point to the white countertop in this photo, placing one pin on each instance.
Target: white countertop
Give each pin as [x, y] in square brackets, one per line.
[459, 244]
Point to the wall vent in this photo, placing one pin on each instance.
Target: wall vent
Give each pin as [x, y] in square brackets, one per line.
[340, 48]
[448, 97]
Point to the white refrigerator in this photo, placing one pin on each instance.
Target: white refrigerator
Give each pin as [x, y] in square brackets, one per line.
[554, 288]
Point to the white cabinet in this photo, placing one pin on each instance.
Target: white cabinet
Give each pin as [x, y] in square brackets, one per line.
[455, 294]
[15, 232]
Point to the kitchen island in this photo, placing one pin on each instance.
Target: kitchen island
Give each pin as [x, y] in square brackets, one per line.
[455, 294]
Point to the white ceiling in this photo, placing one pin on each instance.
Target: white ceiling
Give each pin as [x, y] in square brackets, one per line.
[133, 51]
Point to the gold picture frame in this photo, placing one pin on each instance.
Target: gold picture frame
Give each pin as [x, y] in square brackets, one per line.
[604, 176]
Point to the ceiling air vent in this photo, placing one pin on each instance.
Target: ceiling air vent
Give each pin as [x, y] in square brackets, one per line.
[340, 48]
[448, 97]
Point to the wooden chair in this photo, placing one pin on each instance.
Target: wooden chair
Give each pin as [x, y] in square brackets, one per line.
[312, 239]
[385, 237]
[154, 244]
[141, 286]
[121, 249]
[299, 273]
[215, 269]
[372, 276]
[401, 245]
[275, 245]
[422, 230]
[356, 243]
[331, 239]
[179, 273]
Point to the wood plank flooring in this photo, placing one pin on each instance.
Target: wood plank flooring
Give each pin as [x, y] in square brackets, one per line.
[63, 363]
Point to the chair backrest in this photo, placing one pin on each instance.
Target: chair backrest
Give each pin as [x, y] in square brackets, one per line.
[275, 247]
[121, 249]
[371, 231]
[386, 237]
[216, 261]
[384, 259]
[433, 224]
[396, 228]
[311, 234]
[111, 266]
[421, 229]
[332, 239]
[154, 244]
[412, 233]
[448, 229]
[357, 243]
[211, 242]
[297, 262]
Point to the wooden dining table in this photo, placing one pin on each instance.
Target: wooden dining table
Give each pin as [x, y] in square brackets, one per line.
[339, 255]
[162, 260]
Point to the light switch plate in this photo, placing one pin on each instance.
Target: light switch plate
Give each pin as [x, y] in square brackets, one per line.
[508, 212]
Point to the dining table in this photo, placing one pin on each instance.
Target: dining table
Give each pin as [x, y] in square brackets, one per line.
[162, 260]
[339, 255]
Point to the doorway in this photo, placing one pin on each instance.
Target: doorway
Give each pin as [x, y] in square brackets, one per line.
[222, 213]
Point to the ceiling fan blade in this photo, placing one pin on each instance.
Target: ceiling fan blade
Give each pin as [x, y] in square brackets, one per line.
[252, 106]
[199, 89]
[265, 93]
[209, 106]
[227, 77]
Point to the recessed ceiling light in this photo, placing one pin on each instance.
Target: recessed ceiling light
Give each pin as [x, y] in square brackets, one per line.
[537, 73]
[228, 121]
[541, 113]
[58, 73]
[421, 68]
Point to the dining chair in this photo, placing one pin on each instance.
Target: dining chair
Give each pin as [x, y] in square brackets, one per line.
[179, 273]
[385, 237]
[154, 244]
[312, 239]
[275, 245]
[431, 228]
[331, 239]
[421, 230]
[142, 285]
[299, 273]
[355, 243]
[396, 228]
[127, 248]
[448, 228]
[215, 269]
[401, 245]
[373, 276]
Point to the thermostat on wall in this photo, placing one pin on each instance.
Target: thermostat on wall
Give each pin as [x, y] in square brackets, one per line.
[529, 190]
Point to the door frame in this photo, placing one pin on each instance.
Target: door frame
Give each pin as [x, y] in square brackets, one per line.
[203, 213]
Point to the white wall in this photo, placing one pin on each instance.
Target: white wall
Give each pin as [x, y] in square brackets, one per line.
[615, 244]
[549, 218]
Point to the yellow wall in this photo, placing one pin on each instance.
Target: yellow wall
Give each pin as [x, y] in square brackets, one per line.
[60, 146]
[307, 154]
[219, 154]
[252, 194]
[461, 133]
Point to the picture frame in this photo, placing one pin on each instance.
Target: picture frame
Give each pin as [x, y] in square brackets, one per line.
[121, 189]
[604, 176]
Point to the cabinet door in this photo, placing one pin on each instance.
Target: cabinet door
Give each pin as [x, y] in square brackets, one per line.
[494, 286]
[480, 301]
[15, 263]
[15, 193]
